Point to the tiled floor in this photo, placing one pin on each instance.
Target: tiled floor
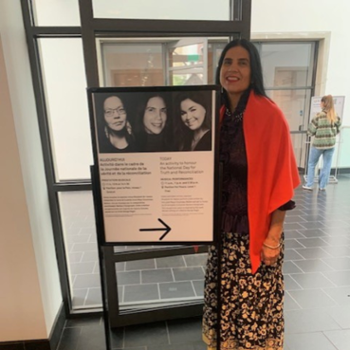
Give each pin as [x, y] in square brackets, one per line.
[317, 280]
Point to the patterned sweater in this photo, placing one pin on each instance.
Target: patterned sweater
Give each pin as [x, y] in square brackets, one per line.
[324, 131]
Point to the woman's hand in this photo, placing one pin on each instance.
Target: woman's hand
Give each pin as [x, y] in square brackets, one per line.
[270, 252]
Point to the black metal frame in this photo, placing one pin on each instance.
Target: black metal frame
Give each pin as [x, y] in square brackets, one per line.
[238, 25]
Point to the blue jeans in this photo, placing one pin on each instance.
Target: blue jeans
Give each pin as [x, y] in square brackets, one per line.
[314, 156]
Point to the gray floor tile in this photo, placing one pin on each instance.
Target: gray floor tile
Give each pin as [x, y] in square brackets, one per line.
[292, 243]
[312, 242]
[69, 339]
[337, 224]
[293, 234]
[341, 339]
[94, 297]
[183, 331]
[77, 238]
[340, 278]
[198, 287]
[339, 294]
[338, 251]
[311, 225]
[128, 277]
[292, 226]
[338, 263]
[171, 261]
[141, 293]
[291, 254]
[156, 276]
[290, 303]
[196, 260]
[341, 315]
[312, 280]
[337, 240]
[312, 265]
[78, 297]
[290, 267]
[313, 253]
[307, 321]
[82, 268]
[312, 298]
[84, 247]
[89, 256]
[140, 264]
[151, 334]
[313, 233]
[92, 338]
[86, 281]
[176, 290]
[309, 341]
[188, 273]
[75, 257]
[290, 283]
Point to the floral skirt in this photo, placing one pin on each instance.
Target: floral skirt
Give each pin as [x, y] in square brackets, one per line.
[251, 305]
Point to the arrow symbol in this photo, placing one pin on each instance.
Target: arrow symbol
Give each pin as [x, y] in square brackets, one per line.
[166, 228]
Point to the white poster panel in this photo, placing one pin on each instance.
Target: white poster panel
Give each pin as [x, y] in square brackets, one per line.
[316, 106]
[155, 152]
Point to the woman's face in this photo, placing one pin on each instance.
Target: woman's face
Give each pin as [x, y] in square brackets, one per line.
[192, 114]
[155, 116]
[235, 72]
[114, 113]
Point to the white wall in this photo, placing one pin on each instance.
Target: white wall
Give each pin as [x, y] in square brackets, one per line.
[30, 288]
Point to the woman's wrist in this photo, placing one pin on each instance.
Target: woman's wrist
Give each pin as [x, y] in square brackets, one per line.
[272, 247]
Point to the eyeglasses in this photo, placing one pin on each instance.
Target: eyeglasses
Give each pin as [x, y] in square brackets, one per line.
[119, 111]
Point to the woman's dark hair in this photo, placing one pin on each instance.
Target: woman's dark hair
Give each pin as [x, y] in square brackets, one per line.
[104, 129]
[140, 132]
[183, 134]
[256, 78]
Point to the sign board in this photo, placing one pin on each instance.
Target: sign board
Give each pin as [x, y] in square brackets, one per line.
[155, 155]
[316, 106]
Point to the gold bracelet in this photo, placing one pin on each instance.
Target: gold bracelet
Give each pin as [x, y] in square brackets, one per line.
[270, 247]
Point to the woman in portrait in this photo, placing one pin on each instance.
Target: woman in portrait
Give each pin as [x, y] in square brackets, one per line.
[193, 121]
[115, 134]
[153, 124]
[258, 181]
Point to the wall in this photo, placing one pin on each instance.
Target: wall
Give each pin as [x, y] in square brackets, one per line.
[30, 294]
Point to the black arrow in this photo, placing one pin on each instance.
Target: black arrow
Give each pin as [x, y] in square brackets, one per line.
[166, 228]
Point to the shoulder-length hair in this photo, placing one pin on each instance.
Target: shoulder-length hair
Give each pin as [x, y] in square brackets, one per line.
[183, 134]
[256, 75]
[328, 106]
[140, 131]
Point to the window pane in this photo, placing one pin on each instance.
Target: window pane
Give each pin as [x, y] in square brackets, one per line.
[78, 223]
[288, 64]
[56, 12]
[65, 91]
[160, 9]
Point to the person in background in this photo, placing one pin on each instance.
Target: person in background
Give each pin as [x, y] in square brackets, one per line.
[325, 126]
[116, 135]
[259, 178]
[193, 122]
[153, 125]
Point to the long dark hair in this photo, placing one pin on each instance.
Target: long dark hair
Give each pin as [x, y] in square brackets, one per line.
[183, 133]
[256, 76]
[140, 132]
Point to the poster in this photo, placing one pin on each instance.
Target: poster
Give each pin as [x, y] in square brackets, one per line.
[316, 106]
[156, 157]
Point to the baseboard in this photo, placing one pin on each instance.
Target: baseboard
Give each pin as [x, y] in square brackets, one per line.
[41, 344]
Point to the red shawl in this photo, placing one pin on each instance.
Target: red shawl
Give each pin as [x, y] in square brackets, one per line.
[272, 169]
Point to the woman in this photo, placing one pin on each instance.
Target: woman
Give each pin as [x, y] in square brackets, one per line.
[259, 177]
[194, 122]
[116, 135]
[325, 127]
[152, 128]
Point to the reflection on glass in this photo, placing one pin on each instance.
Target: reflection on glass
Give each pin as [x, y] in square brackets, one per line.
[80, 241]
[65, 92]
[287, 64]
[160, 281]
[159, 9]
[56, 12]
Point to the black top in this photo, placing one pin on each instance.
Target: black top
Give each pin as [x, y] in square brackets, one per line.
[233, 155]
[204, 144]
